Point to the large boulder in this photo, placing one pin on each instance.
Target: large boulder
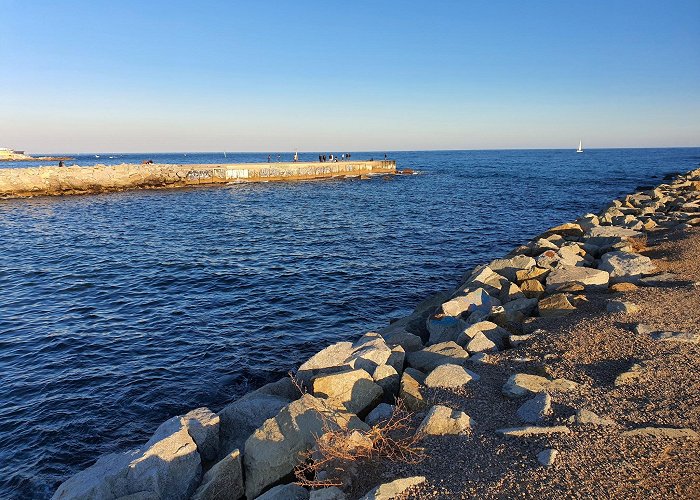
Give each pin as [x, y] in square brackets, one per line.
[515, 311]
[567, 229]
[328, 360]
[167, 466]
[370, 351]
[203, 426]
[275, 448]
[408, 341]
[509, 267]
[240, 418]
[475, 300]
[439, 354]
[449, 377]
[555, 305]
[386, 377]
[589, 278]
[488, 329]
[606, 236]
[223, 480]
[442, 420]
[354, 390]
[410, 392]
[625, 266]
[443, 328]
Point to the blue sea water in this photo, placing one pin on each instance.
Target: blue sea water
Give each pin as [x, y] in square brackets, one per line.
[118, 311]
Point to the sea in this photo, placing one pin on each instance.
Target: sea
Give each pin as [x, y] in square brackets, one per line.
[121, 310]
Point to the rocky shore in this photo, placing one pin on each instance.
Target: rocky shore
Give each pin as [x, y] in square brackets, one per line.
[569, 368]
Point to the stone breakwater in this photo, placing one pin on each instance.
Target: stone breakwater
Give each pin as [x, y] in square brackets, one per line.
[56, 181]
[250, 448]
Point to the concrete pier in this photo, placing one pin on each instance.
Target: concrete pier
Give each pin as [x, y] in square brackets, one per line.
[58, 181]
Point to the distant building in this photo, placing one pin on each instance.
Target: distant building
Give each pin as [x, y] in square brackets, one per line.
[7, 152]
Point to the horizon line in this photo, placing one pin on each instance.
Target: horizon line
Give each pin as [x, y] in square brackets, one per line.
[357, 151]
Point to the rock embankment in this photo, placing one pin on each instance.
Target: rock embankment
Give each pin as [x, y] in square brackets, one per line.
[525, 379]
[58, 181]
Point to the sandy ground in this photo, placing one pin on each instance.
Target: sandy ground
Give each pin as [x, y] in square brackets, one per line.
[591, 347]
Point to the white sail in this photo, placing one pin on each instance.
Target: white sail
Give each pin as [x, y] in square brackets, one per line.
[580, 147]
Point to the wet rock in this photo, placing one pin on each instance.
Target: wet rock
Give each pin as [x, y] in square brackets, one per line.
[533, 431]
[354, 390]
[439, 354]
[620, 306]
[535, 409]
[449, 376]
[588, 277]
[442, 420]
[555, 305]
[285, 492]
[273, 451]
[625, 266]
[223, 480]
[547, 457]
[394, 489]
[523, 384]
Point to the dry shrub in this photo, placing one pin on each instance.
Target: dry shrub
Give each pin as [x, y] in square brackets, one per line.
[638, 243]
[338, 451]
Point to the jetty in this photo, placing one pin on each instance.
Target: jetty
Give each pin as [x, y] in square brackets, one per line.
[71, 180]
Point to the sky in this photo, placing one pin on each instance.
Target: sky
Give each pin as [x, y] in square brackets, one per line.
[264, 75]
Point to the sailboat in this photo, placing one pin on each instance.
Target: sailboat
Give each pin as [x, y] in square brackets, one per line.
[580, 147]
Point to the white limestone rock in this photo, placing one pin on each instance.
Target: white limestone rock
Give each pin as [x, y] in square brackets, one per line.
[273, 451]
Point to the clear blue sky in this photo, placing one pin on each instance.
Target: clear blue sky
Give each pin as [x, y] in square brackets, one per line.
[127, 75]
